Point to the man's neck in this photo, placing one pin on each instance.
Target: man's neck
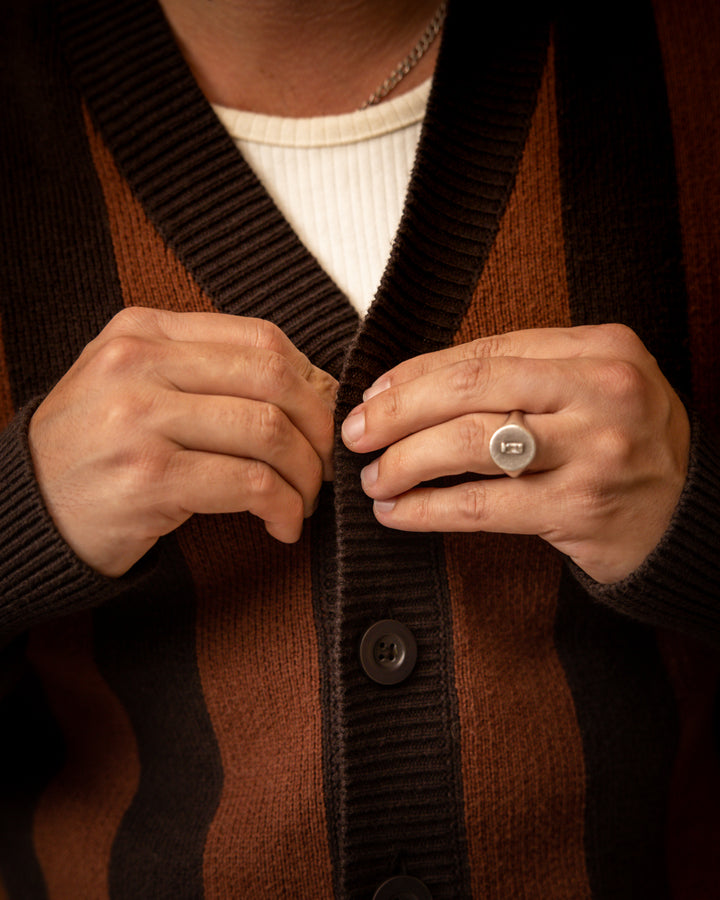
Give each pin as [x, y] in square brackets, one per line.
[299, 57]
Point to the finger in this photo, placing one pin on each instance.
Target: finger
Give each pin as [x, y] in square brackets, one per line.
[495, 385]
[222, 370]
[209, 483]
[211, 328]
[237, 332]
[261, 375]
[504, 505]
[539, 343]
[246, 429]
[460, 446]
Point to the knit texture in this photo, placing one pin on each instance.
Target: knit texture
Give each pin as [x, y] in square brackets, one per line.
[202, 727]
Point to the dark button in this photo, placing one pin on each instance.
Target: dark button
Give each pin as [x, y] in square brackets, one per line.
[402, 887]
[388, 652]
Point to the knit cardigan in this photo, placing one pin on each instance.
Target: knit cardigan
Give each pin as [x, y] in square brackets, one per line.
[202, 726]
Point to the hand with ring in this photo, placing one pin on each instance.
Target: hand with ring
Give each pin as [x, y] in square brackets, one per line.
[610, 443]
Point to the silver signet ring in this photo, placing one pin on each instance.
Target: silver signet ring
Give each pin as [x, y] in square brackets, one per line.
[512, 446]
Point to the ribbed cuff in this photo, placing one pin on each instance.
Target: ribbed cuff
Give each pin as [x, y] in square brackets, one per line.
[678, 585]
[41, 578]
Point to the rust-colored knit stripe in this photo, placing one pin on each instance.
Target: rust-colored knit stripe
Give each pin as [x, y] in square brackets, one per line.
[691, 54]
[86, 801]
[523, 284]
[523, 769]
[258, 657]
[256, 639]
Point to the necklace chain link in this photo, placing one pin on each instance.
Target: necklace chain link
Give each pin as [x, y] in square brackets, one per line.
[411, 60]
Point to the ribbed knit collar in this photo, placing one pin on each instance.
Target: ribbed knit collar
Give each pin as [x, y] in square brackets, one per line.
[211, 209]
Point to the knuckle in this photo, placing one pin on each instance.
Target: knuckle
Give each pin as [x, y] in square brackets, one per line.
[147, 469]
[471, 436]
[473, 503]
[120, 354]
[277, 373]
[622, 380]
[154, 466]
[125, 412]
[396, 460]
[272, 426]
[470, 377]
[420, 509]
[486, 347]
[134, 318]
[123, 321]
[267, 336]
[615, 447]
[260, 479]
[620, 337]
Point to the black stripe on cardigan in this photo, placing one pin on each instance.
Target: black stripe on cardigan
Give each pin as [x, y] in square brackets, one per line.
[146, 649]
[623, 255]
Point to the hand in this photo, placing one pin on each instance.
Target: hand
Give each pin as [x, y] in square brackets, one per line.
[612, 436]
[168, 414]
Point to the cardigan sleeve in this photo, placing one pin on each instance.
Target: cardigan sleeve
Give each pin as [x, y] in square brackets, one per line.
[678, 584]
[41, 578]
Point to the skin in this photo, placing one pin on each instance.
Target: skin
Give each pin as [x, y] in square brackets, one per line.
[613, 443]
[168, 414]
[299, 57]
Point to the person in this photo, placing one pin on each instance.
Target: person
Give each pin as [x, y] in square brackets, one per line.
[274, 620]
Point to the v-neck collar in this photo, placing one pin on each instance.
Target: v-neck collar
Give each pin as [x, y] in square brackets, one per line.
[209, 206]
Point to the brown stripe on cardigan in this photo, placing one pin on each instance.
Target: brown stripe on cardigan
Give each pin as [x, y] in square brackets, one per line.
[519, 733]
[690, 45]
[78, 814]
[258, 658]
[246, 628]
[524, 283]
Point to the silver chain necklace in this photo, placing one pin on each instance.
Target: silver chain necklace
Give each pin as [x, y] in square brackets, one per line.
[411, 60]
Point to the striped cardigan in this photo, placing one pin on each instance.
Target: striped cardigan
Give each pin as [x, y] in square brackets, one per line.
[202, 727]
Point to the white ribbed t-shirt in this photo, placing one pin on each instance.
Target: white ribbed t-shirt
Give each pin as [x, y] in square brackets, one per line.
[340, 181]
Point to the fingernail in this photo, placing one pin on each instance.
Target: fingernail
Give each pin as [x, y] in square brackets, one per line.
[369, 475]
[354, 426]
[382, 384]
[384, 506]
